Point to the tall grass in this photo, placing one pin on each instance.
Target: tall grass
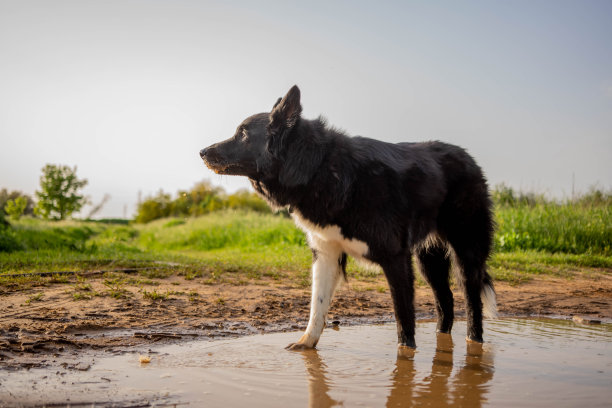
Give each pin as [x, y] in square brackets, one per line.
[223, 229]
[555, 228]
[582, 225]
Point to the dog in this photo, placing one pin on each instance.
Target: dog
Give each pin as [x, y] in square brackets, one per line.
[388, 204]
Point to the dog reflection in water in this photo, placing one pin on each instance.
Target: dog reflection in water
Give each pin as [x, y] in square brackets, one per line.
[466, 388]
[318, 384]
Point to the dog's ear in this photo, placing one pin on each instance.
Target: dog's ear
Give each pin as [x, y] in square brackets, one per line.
[286, 112]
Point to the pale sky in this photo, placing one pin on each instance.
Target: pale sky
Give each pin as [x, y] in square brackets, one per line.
[129, 91]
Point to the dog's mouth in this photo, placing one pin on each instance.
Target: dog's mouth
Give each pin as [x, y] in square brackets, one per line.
[219, 168]
[223, 168]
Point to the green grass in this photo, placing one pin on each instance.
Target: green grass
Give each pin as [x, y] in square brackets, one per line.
[224, 229]
[82, 290]
[237, 246]
[154, 295]
[46, 246]
[521, 266]
[35, 298]
[116, 286]
[555, 228]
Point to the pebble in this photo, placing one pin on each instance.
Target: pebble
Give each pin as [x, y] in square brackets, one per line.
[586, 320]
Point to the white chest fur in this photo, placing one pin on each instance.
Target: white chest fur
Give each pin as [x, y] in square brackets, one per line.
[330, 238]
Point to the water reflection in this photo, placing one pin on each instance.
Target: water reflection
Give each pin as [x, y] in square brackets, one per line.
[318, 384]
[470, 384]
[402, 382]
[466, 388]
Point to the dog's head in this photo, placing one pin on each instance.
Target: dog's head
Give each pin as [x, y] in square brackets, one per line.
[260, 148]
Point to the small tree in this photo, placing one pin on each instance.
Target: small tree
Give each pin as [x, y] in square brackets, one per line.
[59, 196]
[15, 208]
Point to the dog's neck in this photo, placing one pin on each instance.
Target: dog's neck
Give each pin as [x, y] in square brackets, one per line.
[277, 196]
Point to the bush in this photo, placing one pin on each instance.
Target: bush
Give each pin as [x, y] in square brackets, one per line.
[15, 208]
[202, 199]
[6, 196]
[247, 200]
[153, 208]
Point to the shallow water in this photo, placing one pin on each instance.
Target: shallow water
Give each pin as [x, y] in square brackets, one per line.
[525, 362]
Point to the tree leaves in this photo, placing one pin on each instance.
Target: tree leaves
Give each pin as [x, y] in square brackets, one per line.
[59, 195]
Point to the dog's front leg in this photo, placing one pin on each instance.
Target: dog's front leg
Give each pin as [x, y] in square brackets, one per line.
[326, 273]
[399, 274]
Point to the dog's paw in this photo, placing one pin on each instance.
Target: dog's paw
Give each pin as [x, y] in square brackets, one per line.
[405, 352]
[298, 347]
[471, 340]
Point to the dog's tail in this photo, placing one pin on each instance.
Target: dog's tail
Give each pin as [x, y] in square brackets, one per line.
[488, 297]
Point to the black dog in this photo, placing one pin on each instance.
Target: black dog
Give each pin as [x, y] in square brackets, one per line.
[372, 200]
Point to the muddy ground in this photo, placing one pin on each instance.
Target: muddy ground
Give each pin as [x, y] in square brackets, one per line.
[55, 329]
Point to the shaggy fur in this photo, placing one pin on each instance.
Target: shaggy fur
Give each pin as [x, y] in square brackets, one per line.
[382, 202]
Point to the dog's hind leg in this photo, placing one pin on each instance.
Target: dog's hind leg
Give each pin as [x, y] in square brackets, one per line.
[471, 241]
[434, 264]
[400, 277]
[470, 277]
[327, 269]
[471, 274]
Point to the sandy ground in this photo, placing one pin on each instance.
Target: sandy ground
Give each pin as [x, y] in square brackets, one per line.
[48, 330]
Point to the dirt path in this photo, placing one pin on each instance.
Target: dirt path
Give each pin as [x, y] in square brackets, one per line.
[38, 330]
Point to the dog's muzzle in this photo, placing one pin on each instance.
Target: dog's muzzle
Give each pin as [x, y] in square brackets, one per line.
[210, 156]
[212, 160]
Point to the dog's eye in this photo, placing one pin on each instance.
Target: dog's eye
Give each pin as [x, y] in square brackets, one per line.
[244, 136]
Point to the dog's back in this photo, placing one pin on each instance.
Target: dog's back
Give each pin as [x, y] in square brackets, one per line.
[415, 188]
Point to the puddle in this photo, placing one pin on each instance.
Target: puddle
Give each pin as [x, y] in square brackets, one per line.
[525, 362]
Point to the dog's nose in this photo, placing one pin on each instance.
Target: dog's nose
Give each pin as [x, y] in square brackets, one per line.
[203, 152]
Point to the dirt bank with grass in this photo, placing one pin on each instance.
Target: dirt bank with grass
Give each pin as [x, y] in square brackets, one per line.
[41, 325]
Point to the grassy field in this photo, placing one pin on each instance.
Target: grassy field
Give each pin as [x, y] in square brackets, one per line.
[555, 228]
[237, 246]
